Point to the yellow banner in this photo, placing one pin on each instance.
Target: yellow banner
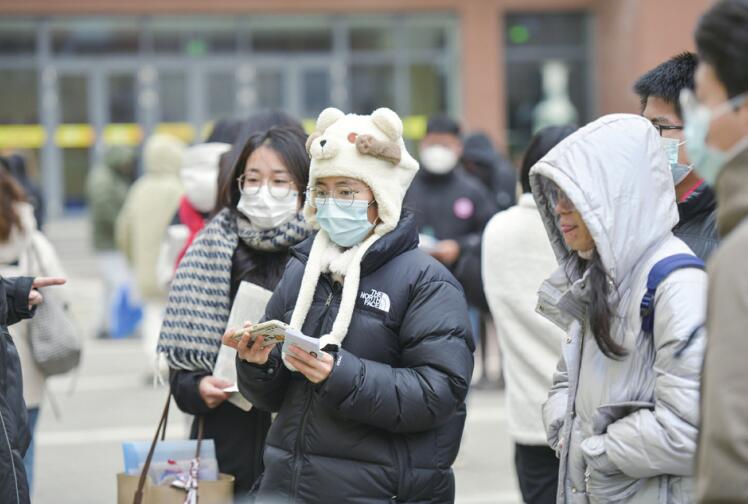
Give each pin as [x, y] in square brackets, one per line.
[414, 127]
[75, 136]
[22, 137]
[123, 134]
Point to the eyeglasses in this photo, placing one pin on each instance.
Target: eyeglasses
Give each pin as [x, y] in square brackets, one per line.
[343, 196]
[252, 184]
[666, 127]
[560, 199]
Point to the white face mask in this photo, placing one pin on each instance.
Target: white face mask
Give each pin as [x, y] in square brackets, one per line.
[671, 146]
[438, 159]
[266, 212]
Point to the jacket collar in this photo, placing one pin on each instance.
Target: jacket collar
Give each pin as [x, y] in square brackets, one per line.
[703, 201]
[438, 178]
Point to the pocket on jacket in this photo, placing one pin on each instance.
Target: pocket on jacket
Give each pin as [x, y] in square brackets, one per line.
[400, 447]
[604, 488]
[610, 413]
[679, 490]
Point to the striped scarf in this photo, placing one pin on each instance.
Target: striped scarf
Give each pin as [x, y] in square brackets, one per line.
[199, 299]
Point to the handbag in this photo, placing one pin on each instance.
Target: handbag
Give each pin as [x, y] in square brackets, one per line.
[140, 490]
[55, 344]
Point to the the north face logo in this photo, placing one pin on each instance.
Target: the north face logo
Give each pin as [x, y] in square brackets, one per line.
[376, 299]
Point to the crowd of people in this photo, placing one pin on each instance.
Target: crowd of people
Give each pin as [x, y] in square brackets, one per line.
[610, 264]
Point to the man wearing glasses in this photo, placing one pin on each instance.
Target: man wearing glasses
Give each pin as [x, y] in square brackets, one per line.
[659, 91]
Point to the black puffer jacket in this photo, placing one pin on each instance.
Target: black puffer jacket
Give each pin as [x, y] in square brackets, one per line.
[14, 432]
[482, 161]
[386, 425]
[455, 206]
[698, 222]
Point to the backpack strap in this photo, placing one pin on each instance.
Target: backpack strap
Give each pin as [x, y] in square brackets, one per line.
[659, 272]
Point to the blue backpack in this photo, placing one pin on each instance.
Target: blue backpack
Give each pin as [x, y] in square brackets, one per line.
[659, 272]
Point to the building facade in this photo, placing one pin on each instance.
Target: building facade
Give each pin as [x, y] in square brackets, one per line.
[81, 74]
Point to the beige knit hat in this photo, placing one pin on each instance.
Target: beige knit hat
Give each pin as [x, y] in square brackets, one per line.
[368, 148]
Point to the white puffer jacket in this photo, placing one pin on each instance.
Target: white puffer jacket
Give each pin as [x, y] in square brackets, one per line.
[625, 429]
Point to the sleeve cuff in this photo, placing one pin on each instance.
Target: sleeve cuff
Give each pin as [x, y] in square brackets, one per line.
[343, 378]
[259, 372]
[596, 455]
[23, 287]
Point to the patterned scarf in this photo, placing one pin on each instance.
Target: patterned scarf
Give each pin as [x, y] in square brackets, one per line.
[272, 240]
[199, 299]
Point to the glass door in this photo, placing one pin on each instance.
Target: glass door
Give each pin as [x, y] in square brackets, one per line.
[75, 135]
[121, 125]
[96, 107]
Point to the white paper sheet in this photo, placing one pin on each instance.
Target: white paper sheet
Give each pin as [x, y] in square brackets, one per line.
[249, 305]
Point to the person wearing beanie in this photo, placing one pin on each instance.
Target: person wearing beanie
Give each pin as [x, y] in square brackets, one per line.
[481, 160]
[452, 208]
[378, 417]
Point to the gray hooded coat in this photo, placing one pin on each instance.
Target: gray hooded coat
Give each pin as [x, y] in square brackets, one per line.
[625, 429]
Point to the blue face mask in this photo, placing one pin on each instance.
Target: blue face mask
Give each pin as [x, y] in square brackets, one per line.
[347, 226]
[671, 147]
[697, 121]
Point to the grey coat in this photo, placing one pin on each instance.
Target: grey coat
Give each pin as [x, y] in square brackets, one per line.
[626, 429]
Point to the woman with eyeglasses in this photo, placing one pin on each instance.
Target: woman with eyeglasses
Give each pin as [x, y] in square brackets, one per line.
[378, 415]
[247, 242]
[623, 410]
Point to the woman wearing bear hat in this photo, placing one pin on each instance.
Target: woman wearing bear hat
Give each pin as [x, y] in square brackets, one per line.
[380, 417]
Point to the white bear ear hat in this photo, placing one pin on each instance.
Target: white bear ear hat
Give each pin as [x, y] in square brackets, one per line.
[369, 148]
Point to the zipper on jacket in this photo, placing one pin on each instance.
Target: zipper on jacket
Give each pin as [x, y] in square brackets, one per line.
[307, 403]
[12, 462]
[299, 441]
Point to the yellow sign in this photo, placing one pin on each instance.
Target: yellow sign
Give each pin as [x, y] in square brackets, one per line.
[75, 136]
[123, 134]
[80, 136]
[22, 137]
[414, 127]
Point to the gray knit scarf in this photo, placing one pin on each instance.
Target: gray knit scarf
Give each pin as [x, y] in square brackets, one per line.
[199, 299]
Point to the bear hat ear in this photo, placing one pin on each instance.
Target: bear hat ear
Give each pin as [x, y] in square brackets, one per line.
[388, 121]
[327, 118]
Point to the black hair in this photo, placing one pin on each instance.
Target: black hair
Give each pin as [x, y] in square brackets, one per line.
[722, 42]
[289, 143]
[543, 141]
[256, 123]
[599, 310]
[225, 131]
[442, 123]
[11, 193]
[667, 79]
